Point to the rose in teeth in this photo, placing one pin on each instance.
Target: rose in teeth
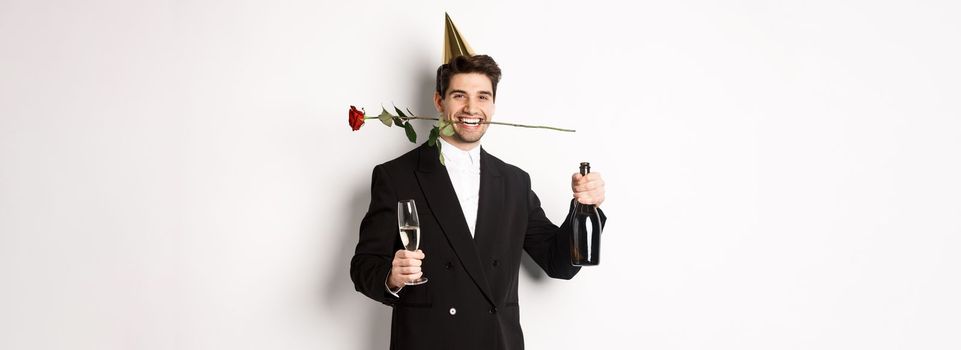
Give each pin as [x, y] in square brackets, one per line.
[464, 100]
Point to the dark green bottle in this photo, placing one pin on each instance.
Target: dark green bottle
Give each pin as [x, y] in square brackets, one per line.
[586, 235]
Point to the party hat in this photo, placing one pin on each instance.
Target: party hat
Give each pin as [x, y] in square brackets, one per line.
[454, 44]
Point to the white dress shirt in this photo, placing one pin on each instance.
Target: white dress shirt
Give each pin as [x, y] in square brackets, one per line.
[463, 167]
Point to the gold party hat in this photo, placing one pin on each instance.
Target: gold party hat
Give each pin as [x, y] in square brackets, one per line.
[454, 44]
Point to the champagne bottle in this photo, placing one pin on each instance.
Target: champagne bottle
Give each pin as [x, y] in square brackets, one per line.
[586, 235]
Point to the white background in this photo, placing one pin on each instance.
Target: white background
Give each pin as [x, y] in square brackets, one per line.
[780, 174]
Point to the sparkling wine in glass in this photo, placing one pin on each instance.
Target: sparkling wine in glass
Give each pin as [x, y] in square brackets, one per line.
[409, 230]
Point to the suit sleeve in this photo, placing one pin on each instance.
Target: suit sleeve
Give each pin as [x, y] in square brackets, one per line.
[548, 244]
[378, 240]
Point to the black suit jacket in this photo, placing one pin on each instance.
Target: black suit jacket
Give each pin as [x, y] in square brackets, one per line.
[470, 300]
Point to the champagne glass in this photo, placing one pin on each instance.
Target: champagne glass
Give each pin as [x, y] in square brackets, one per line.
[409, 230]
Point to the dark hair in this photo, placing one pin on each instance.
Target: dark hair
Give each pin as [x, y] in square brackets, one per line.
[483, 64]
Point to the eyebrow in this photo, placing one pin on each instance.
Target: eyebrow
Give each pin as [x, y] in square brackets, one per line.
[484, 92]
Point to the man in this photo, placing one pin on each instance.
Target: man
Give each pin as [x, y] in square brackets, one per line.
[477, 214]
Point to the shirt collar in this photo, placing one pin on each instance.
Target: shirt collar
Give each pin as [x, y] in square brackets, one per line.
[454, 156]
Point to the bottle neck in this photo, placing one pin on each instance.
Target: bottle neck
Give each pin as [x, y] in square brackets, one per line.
[585, 209]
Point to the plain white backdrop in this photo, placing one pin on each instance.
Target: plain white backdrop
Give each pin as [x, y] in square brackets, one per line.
[781, 174]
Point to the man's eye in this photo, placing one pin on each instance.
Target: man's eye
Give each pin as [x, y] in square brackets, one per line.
[484, 97]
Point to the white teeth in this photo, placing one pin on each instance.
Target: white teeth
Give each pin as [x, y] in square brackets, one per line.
[470, 121]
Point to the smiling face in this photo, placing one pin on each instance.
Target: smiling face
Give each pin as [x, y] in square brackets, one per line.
[469, 102]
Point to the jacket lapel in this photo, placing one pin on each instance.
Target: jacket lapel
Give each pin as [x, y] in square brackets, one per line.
[442, 201]
[488, 231]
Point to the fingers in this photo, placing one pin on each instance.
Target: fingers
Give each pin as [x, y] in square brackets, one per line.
[406, 266]
[588, 189]
[406, 263]
[413, 277]
[407, 270]
[405, 259]
[406, 254]
[586, 198]
[398, 280]
[581, 183]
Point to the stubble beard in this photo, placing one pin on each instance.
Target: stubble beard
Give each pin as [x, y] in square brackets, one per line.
[470, 138]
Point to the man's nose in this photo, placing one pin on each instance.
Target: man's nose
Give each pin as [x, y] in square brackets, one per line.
[469, 107]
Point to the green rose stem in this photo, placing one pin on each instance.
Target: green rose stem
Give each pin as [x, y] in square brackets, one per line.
[497, 123]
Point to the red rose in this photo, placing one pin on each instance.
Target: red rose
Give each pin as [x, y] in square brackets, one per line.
[355, 118]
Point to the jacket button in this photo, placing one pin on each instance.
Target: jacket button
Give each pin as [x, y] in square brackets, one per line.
[453, 311]
[448, 265]
[493, 310]
[496, 262]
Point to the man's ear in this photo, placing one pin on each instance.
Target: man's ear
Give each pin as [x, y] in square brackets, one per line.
[437, 105]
